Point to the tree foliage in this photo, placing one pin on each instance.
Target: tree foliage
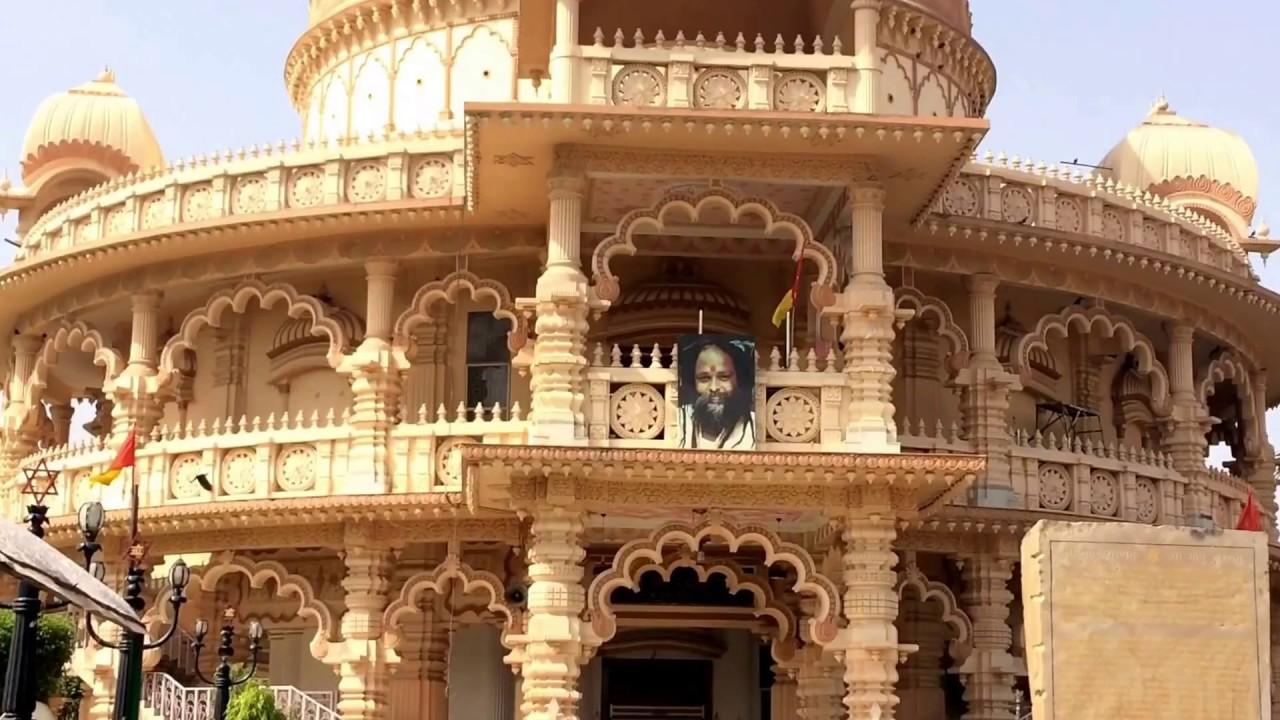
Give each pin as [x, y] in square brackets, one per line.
[253, 701]
[55, 641]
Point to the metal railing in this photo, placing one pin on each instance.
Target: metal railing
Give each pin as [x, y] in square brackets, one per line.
[172, 700]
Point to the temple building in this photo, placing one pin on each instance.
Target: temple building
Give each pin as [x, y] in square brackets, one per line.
[482, 397]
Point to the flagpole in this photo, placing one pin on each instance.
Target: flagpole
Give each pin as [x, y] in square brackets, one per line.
[699, 322]
[786, 361]
[133, 505]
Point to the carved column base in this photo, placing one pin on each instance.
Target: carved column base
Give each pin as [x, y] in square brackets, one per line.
[867, 309]
[375, 373]
[819, 685]
[557, 370]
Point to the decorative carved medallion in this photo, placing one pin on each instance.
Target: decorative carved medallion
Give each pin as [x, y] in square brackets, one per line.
[449, 461]
[1055, 487]
[249, 195]
[296, 468]
[1015, 205]
[197, 204]
[638, 85]
[182, 475]
[367, 182]
[792, 416]
[1112, 225]
[719, 89]
[960, 198]
[1104, 493]
[1148, 502]
[432, 178]
[1151, 234]
[1068, 211]
[153, 212]
[637, 411]
[798, 92]
[306, 188]
[237, 471]
[117, 221]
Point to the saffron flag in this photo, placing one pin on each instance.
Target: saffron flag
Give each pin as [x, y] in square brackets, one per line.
[124, 459]
[1250, 517]
[788, 301]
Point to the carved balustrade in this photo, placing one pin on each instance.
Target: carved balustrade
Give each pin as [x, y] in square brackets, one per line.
[919, 435]
[633, 400]
[263, 180]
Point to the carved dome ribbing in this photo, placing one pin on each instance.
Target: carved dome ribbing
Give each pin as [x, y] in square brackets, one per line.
[296, 332]
[671, 300]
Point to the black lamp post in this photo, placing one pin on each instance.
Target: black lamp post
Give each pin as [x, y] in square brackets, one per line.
[131, 646]
[222, 681]
[18, 700]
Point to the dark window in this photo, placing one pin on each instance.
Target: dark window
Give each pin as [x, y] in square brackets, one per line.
[488, 361]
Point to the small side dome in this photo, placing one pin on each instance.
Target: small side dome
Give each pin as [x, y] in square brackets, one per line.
[95, 124]
[1204, 169]
[660, 308]
[295, 333]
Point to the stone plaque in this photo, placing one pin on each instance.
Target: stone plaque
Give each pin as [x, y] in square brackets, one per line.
[1137, 622]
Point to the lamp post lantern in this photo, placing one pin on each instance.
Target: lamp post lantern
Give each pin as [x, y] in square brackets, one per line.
[222, 679]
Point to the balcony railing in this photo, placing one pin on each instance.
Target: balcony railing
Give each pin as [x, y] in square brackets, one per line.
[172, 700]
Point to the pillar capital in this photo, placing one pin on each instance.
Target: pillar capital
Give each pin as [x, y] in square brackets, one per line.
[867, 194]
[381, 267]
[982, 284]
[146, 300]
[563, 183]
[27, 343]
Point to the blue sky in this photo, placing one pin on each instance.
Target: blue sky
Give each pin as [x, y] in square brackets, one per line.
[1074, 75]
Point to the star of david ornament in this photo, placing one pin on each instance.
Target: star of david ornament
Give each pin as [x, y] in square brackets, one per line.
[41, 481]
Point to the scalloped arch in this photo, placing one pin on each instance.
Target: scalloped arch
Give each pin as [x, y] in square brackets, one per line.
[287, 585]
[648, 551]
[237, 300]
[447, 289]
[1229, 366]
[912, 578]
[691, 206]
[77, 336]
[475, 32]
[927, 305]
[764, 603]
[1085, 320]
[437, 581]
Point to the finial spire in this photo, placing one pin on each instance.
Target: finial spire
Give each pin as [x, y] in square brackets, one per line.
[107, 75]
[1161, 106]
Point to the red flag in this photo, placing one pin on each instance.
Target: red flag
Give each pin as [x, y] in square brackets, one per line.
[124, 459]
[1250, 517]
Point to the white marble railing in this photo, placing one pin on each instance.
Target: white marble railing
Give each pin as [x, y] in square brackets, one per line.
[920, 435]
[257, 181]
[171, 700]
[633, 400]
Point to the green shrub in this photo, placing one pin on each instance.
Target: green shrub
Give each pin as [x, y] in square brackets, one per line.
[55, 641]
[253, 701]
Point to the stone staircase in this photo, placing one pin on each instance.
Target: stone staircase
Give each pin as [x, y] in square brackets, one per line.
[165, 698]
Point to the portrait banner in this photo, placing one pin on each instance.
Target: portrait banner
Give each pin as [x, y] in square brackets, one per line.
[716, 392]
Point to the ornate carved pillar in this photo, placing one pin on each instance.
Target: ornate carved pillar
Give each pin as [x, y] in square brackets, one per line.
[867, 307]
[61, 413]
[1260, 468]
[783, 701]
[134, 402]
[19, 431]
[869, 643]
[819, 685]
[361, 657]
[1184, 433]
[552, 655]
[424, 380]
[559, 362]
[418, 688]
[564, 52]
[866, 57]
[375, 388]
[920, 681]
[230, 343]
[988, 672]
[986, 387]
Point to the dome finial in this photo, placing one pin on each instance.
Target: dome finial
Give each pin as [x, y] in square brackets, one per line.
[106, 76]
[1161, 106]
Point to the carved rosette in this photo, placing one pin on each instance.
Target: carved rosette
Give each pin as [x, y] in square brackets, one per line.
[719, 89]
[306, 187]
[1069, 215]
[153, 212]
[117, 221]
[637, 412]
[367, 182]
[1148, 501]
[960, 198]
[449, 460]
[1151, 234]
[432, 178]
[1055, 487]
[237, 471]
[1104, 493]
[799, 92]
[182, 476]
[197, 203]
[791, 416]
[639, 86]
[1015, 205]
[1113, 225]
[249, 195]
[296, 468]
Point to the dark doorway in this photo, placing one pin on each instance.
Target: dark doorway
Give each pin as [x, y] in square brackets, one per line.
[657, 689]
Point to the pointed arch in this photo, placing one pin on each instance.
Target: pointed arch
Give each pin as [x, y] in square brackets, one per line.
[764, 604]
[438, 581]
[448, 289]
[691, 207]
[911, 577]
[926, 306]
[75, 336]
[1087, 321]
[236, 300]
[651, 551]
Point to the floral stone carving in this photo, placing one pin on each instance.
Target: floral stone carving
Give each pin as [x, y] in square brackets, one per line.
[637, 411]
[1055, 487]
[792, 416]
